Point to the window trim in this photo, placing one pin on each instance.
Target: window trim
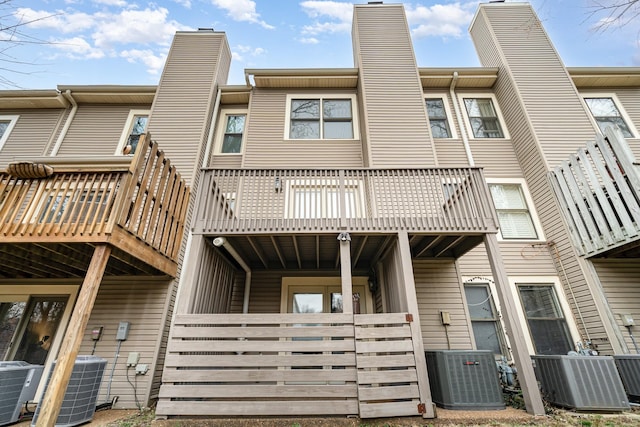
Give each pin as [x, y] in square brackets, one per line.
[445, 101]
[220, 131]
[337, 96]
[467, 121]
[13, 119]
[127, 129]
[616, 102]
[515, 281]
[537, 225]
[315, 282]
[490, 283]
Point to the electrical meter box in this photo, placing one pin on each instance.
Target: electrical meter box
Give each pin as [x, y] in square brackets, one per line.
[123, 331]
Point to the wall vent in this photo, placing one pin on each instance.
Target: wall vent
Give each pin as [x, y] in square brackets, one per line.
[584, 383]
[464, 379]
[79, 403]
[629, 369]
[18, 384]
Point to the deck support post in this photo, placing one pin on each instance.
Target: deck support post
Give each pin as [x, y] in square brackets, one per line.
[515, 329]
[345, 273]
[407, 278]
[54, 395]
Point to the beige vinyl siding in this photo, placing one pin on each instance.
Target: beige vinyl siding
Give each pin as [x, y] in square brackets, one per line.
[96, 130]
[31, 134]
[539, 117]
[520, 259]
[450, 151]
[438, 288]
[265, 146]
[182, 107]
[619, 279]
[395, 123]
[141, 302]
[226, 162]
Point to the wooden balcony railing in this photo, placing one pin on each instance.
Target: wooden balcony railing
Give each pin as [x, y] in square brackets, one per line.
[454, 200]
[89, 200]
[598, 189]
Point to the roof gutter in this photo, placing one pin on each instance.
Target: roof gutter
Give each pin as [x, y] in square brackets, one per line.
[67, 95]
[456, 107]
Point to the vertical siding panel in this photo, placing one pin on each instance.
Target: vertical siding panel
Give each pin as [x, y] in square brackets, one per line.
[395, 120]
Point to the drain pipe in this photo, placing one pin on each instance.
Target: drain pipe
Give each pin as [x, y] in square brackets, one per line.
[67, 124]
[456, 107]
[222, 242]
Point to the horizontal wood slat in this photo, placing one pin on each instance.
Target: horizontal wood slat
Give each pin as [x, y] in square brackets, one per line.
[261, 364]
[453, 200]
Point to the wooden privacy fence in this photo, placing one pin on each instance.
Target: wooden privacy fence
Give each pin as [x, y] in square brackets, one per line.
[85, 202]
[290, 364]
[598, 189]
[310, 200]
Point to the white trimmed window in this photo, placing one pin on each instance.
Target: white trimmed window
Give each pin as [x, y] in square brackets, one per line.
[545, 318]
[606, 111]
[438, 112]
[6, 126]
[231, 132]
[136, 125]
[485, 320]
[326, 117]
[484, 119]
[514, 207]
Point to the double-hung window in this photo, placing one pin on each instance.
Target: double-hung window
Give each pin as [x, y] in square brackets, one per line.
[547, 325]
[483, 118]
[606, 114]
[6, 126]
[514, 215]
[230, 136]
[485, 322]
[136, 125]
[321, 118]
[438, 118]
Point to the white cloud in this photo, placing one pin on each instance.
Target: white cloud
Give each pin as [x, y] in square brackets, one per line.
[445, 20]
[239, 50]
[185, 3]
[336, 16]
[119, 3]
[154, 62]
[242, 10]
[56, 20]
[309, 40]
[148, 26]
[77, 48]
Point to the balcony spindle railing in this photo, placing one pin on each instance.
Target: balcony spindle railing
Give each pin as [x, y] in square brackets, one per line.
[454, 200]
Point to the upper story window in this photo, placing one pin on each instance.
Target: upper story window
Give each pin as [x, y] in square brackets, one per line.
[606, 113]
[483, 117]
[328, 117]
[6, 126]
[322, 198]
[136, 125]
[230, 136]
[438, 120]
[517, 221]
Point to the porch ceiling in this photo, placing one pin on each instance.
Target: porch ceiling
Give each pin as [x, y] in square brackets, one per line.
[68, 260]
[322, 251]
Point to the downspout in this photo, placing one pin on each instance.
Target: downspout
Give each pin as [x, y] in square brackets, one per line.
[212, 129]
[67, 125]
[222, 242]
[456, 107]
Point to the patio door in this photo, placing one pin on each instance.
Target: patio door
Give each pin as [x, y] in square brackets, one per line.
[28, 328]
[323, 295]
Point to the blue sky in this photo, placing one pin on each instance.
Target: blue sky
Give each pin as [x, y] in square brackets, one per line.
[89, 42]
